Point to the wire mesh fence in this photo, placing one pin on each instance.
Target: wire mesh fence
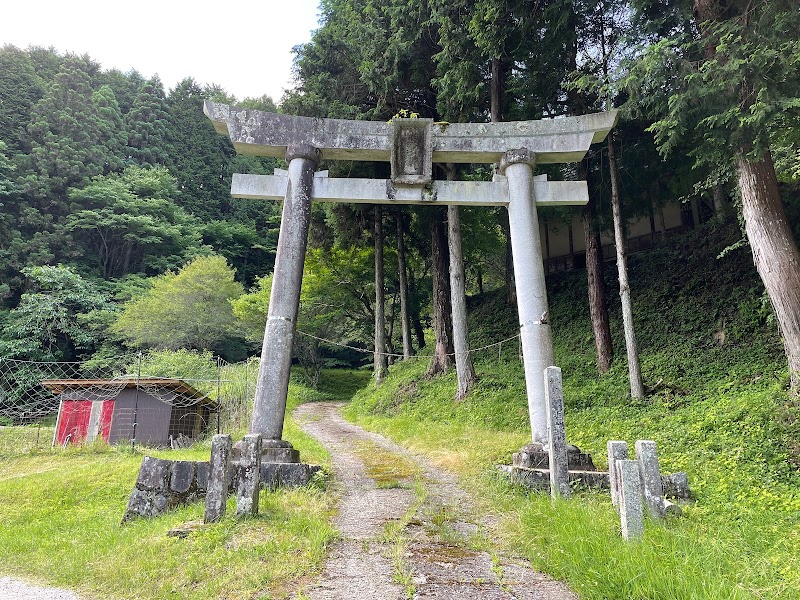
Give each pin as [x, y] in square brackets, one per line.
[138, 399]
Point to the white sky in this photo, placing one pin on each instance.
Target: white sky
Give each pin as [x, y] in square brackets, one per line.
[244, 45]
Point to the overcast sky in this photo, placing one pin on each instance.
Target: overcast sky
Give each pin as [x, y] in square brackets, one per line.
[243, 45]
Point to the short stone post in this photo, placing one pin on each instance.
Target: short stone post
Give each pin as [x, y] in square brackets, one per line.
[647, 459]
[630, 499]
[617, 450]
[249, 480]
[218, 474]
[557, 438]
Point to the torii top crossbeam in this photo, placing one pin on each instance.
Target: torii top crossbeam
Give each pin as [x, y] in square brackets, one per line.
[558, 140]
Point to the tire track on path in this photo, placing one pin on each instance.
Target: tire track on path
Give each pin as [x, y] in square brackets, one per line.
[438, 549]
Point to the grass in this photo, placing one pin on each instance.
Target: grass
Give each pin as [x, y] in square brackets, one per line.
[387, 469]
[720, 413]
[60, 513]
[20, 439]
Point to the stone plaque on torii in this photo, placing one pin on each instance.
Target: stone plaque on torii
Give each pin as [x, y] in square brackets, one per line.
[411, 146]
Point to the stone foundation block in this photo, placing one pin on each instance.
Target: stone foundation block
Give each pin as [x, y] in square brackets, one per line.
[182, 476]
[676, 485]
[277, 475]
[153, 473]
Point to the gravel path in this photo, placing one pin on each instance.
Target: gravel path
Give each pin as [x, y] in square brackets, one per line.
[433, 555]
[13, 589]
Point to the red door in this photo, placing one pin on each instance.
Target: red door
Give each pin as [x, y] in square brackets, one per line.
[74, 422]
[105, 418]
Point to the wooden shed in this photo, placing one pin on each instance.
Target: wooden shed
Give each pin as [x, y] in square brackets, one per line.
[156, 412]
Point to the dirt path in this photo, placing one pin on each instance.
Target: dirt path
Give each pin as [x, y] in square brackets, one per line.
[416, 537]
[14, 589]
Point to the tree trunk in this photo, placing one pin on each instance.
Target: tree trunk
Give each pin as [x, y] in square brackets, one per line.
[511, 284]
[403, 277]
[720, 211]
[499, 69]
[774, 249]
[637, 391]
[380, 364]
[419, 330]
[414, 312]
[442, 319]
[598, 305]
[465, 371]
[498, 83]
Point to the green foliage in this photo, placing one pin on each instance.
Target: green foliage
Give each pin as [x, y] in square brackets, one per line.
[148, 126]
[20, 89]
[188, 309]
[333, 305]
[242, 245]
[68, 134]
[200, 156]
[747, 78]
[251, 309]
[129, 222]
[184, 364]
[48, 322]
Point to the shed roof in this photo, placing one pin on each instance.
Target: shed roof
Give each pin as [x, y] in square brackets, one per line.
[178, 386]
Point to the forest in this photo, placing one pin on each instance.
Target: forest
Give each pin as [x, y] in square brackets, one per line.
[122, 252]
[118, 232]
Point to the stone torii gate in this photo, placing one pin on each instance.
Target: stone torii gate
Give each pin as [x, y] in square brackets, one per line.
[411, 146]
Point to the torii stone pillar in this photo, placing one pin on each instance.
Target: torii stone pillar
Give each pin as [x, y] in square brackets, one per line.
[411, 146]
[526, 249]
[276, 353]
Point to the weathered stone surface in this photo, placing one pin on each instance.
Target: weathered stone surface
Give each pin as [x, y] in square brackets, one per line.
[617, 450]
[164, 484]
[267, 134]
[557, 441]
[539, 479]
[160, 504]
[647, 459]
[676, 485]
[269, 404]
[411, 151]
[153, 473]
[202, 478]
[140, 504]
[278, 475]
[218, 478]
[249, 476]
[184, 530]
[280, 455]
[631, 511]
[534, 456]
[383, 191]
[532, 308]
[182, 476]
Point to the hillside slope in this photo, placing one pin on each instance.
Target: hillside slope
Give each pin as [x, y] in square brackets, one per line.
[717, 408]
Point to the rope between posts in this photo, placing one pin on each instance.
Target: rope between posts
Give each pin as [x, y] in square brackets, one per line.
[393, 354]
